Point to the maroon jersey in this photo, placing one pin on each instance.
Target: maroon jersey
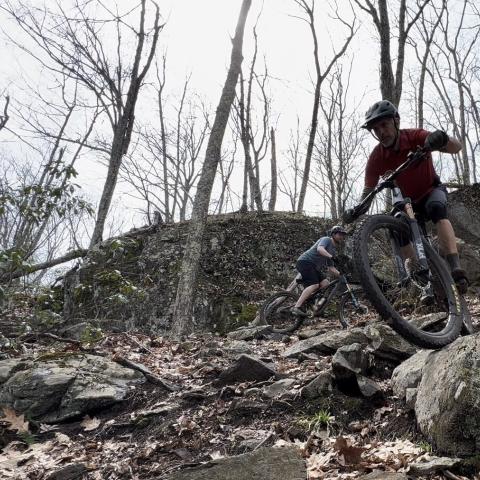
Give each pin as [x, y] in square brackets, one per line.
[415, 182]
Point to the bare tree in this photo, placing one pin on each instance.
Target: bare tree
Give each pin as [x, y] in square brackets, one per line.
[427, 29]
[308, 9]
[273, 173]
[4, 118]
[391, 83]
[339, 145]
[165, 167]
[290, 177]
[74, 44]
[183, 307]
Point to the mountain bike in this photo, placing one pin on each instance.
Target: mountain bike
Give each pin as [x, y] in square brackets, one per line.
[350, 302]
[421, 303]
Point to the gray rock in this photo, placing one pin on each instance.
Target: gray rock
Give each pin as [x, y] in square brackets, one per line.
[246, 406]
[435, 465]
[409, 373]
[238, 346]
[368, 388]
[379, 475]
[279, 389]
[310, 332]
[9, 366]
[262, 464]
[387, 344]
[350, 360]
[56, 390]
[327, 343]
[246, 368]
[74, 471]
[448, 398]
[318, 387]
[411, 397]
[250, 333]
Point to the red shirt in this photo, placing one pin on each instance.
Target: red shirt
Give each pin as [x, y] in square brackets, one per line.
[415, 182]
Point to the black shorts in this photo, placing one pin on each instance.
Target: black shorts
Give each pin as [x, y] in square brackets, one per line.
[310, 274]
[433, 207]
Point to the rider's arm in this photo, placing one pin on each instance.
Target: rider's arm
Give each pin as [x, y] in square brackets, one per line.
[334, 271]
[453, 146]
[322, 251]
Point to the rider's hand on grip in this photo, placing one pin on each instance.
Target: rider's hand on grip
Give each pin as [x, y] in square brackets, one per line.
[436, 140]
[349, 215]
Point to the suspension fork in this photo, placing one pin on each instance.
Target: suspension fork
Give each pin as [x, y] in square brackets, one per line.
[416, 235]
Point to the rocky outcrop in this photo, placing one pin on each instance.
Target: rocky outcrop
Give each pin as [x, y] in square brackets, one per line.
[263, 464]
[328, 343]
[447, 404]
[131, 281]
[463, 208]
[56, 389]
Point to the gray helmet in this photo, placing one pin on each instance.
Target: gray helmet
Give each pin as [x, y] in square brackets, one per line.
[337, 229]
[381, 109]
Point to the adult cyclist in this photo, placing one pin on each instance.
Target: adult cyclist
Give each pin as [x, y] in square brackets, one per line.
[315, 262]
[420, 182]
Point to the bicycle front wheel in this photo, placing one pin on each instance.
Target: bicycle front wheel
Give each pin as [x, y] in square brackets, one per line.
[277, 312]
[425, 309]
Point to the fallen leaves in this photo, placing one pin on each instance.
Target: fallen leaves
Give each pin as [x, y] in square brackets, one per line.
[89, 424]
[15, 422]
[347, 453]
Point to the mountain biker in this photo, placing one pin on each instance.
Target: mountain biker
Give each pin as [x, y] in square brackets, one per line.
[314, 262]
[420, 182]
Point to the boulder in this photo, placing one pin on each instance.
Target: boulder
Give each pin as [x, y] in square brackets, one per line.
[64, 387]
[328, 343]
[368, 388]
[246, 368]
[448, 398]
[350, 360]
[250, 333]
[318, 387]
[409, 373]
[462, 207]
[262, 464]
[279, 389]
[380, 475]
[387, 344]
[433, 466]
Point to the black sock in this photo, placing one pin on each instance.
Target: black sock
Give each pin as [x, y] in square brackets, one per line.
[453, 261]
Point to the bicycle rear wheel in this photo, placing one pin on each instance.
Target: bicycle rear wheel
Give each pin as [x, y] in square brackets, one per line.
[429, 321]
[276, 311]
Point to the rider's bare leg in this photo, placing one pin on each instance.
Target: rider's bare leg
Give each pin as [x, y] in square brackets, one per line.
[408, 251]
[309, 291]
[446, 237]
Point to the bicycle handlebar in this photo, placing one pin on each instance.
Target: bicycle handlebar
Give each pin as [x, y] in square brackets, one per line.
[387, 182]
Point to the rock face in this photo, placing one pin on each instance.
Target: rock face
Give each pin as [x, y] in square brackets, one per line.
[409, 373]
[327, 343]
[448, 397]
[57, 389]
[263, 464]
[463, 208]
[131, 281]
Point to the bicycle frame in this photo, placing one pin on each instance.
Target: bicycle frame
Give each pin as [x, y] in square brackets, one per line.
[402, 207]
[331, 291]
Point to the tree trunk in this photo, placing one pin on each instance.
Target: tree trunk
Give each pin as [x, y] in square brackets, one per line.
[273, 190]
[182, 321]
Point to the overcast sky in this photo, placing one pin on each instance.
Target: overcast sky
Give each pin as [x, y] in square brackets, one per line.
[197, 39]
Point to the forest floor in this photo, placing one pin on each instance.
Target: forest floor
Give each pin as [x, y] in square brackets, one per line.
[156, 432]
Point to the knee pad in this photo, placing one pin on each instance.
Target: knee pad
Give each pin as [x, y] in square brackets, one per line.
[436, 211]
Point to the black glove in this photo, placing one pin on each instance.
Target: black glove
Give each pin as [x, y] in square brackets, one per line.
[349, 215]
[436, 140]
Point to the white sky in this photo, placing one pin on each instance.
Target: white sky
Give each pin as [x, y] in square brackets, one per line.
[197, 38]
